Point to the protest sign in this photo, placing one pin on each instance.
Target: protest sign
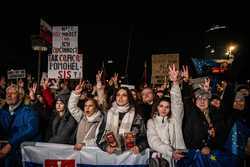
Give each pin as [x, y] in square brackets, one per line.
[160, 64]
[16, 74]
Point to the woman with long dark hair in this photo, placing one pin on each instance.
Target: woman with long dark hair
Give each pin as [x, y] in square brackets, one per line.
[164, 129]
[122, 119]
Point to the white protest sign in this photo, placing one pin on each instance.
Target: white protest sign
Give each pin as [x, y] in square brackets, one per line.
[128, 86]
[16, 74]
[65, 40]
[65, 62]
[63, 66]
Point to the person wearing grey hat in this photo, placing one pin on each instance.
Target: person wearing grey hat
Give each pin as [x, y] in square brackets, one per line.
[202, 125]
[202, 93]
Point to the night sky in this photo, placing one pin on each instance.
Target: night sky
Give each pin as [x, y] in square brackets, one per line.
[104, 41]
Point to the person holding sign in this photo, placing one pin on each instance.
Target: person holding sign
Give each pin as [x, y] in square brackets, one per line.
[164, 129]
[122, 118]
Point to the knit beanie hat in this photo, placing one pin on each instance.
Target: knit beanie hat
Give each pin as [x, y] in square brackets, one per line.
[62, 98]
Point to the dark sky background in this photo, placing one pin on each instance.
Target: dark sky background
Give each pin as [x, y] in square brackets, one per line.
[104, 41]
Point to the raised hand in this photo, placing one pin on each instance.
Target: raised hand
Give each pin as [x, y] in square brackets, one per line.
[32, 91]
[94, 90]
[206, 84]
[185, 73]
[173, 73]
[115, 77]
[110, 149]
[79, 146]
[45, 84]
[55, 82]
[177, 155]
[20, 83]
[135, 150]
[99, 76]
[79, 87]
[111, 82]
[5, 150]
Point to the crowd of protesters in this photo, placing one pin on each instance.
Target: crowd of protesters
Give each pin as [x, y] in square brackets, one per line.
[172, 119]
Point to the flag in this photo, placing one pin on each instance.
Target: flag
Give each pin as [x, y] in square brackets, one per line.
[49, 154]
[45, 31]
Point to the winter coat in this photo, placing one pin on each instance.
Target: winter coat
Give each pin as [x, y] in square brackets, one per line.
[145, 111]
[22, 126]
[195, 125]
[92, 123]
[165, 134]
[63, 129]
[137, 128]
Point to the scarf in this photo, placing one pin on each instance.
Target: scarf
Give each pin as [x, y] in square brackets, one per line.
[206, 114]
[113, 119]
[12, 108]
[87, 127]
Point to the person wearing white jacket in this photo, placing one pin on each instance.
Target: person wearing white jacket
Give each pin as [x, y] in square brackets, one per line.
[164, 129]
[88, 120]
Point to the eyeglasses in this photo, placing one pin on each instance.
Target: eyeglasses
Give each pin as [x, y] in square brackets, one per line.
[202, 98]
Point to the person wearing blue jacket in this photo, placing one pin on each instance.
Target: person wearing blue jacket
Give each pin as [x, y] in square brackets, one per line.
[19, 123]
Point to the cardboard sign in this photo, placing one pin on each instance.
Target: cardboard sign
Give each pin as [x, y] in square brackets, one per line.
[160, 64]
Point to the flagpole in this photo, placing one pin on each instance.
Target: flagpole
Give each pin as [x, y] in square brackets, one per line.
[129, 51]
[39, 66]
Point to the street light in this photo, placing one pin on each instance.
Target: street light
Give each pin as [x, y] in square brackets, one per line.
[229, 52]
[230, 49]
